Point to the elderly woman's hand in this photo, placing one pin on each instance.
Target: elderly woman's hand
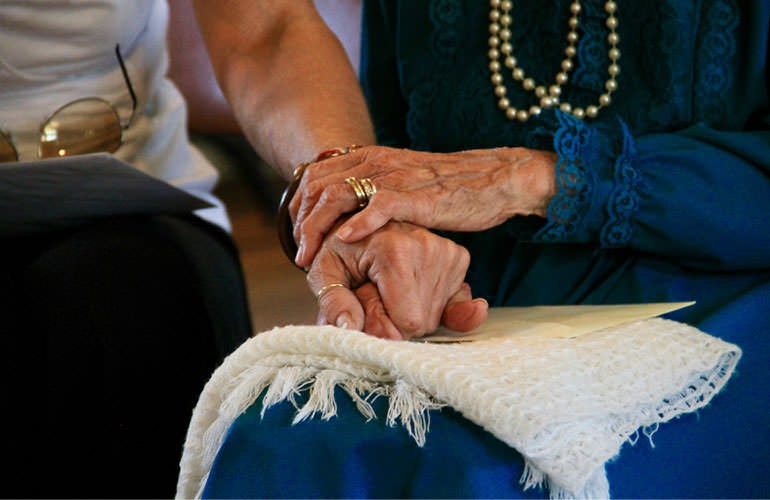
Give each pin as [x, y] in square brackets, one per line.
[463, 191]
[400, 282]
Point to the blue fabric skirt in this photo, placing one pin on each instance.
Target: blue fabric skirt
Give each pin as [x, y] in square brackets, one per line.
[723, 451]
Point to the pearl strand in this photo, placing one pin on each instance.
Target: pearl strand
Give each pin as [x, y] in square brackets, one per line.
[500, 46]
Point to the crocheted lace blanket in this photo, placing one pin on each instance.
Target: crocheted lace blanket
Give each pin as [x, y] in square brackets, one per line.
[566, 405]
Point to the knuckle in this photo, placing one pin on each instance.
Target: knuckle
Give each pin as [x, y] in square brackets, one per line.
[300, 230]
[464, 256]
[302, 211]
[311, 171]
[413, 324]
[387, 242]
[312, 190]
[324, 200]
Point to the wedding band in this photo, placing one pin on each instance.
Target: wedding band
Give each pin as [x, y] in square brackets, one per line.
[361, 196]
[324, 289]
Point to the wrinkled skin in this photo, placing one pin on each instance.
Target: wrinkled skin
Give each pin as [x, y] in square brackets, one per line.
[463, 191]
[400, 282]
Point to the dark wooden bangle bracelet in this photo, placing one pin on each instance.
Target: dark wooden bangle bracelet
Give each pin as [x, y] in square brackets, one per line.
[285, 226]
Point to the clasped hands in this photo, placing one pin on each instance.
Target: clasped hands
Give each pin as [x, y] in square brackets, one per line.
[401, 280]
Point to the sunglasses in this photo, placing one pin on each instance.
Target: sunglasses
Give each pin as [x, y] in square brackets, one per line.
[86, 125]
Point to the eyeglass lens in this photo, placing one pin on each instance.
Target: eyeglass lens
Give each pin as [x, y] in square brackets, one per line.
[84, 126]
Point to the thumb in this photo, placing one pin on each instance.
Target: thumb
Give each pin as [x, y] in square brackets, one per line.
[462, 314]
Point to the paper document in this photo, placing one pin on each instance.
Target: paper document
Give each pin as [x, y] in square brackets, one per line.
[57, 193]
[554, 321]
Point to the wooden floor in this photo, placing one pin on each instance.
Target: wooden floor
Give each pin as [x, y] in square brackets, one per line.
[278, 293]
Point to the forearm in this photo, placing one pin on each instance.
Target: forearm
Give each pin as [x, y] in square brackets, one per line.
[287, 77]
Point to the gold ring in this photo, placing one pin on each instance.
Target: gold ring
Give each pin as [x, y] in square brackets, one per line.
[361, 197]
[324, 289]
[369, 188]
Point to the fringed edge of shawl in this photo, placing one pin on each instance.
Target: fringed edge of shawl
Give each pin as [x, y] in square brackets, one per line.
[407, 404]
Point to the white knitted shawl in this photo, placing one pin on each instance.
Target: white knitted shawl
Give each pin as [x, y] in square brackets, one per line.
[567, 405]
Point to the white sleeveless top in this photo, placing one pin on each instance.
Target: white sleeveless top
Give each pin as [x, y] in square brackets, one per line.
[55, 51]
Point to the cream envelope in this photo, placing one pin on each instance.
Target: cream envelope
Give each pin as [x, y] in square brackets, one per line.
[554, 321]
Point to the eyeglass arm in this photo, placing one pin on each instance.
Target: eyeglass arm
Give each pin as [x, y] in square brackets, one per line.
[128, 83]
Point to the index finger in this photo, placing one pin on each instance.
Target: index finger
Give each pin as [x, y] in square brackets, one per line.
[337, 303]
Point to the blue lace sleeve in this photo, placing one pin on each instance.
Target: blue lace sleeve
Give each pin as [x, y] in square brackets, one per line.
[698, 196]
[597, 186]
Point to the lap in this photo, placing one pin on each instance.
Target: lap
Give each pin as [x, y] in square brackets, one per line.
[350, 457]
[141, 265]
[108, 333]
[710, 455]
[717, 452]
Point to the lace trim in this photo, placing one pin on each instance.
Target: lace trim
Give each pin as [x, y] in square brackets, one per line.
[623, 202]
[717, 46]
[566, 209]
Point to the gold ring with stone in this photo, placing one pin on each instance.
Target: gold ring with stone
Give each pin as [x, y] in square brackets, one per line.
[358, 189]
[369, 188]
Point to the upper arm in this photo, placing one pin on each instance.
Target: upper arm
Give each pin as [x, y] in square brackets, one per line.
[242, 27]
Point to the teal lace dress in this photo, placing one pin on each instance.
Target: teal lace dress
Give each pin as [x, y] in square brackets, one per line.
[665, 196]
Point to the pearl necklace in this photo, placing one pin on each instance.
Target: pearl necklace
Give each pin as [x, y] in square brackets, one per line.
[500, 46]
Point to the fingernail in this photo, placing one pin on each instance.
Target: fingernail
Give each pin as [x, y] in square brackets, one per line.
[300, 254]
[344, 320]
[481, 300]
[344, 232]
